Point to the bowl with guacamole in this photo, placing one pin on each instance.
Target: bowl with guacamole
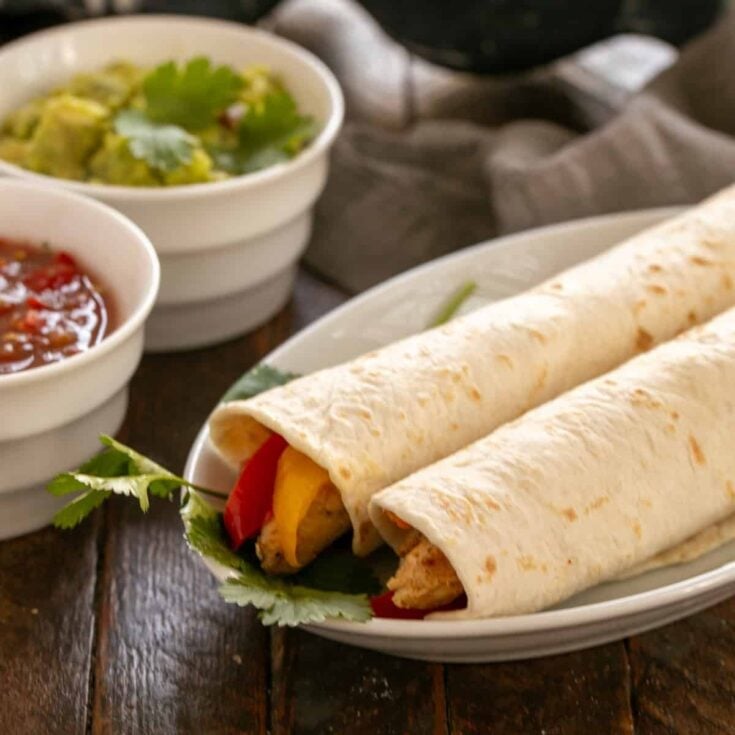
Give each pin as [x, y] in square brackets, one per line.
[213, 137]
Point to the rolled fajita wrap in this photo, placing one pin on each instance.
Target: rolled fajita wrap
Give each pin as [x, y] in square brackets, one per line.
[354, 429]
[576, 491]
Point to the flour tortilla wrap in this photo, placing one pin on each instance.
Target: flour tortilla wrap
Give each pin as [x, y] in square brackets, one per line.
[695, 546]
[376, 419]
[586, 486]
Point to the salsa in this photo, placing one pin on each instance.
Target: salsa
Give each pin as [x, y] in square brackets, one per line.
[50, 309]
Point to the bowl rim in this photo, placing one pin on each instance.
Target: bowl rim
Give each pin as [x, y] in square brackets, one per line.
[127, 327]
[319, 146]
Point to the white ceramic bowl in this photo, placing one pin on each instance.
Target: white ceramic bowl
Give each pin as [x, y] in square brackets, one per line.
[52, 415]
[228, 250]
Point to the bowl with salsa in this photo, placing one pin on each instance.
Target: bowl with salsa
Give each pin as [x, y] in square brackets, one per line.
[211, 136]
[77, 282]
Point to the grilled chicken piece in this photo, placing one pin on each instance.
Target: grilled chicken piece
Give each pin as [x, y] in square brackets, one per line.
[325, 521]
[425, 579]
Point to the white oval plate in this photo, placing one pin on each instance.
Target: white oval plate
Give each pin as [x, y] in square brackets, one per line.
[403, 306]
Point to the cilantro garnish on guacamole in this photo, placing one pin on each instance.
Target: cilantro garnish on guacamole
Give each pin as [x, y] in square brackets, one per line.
[173, 124]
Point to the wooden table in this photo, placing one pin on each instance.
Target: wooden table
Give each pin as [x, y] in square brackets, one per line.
[117, 628]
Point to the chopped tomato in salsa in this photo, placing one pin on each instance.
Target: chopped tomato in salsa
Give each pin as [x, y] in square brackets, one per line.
[50, 308]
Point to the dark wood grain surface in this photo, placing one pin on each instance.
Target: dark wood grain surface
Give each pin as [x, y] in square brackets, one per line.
[116, 628]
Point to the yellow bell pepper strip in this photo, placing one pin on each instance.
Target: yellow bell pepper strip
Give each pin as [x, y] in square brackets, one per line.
[298, 482]
[251, 498]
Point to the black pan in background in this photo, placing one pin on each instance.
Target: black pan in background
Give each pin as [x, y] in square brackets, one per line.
[510, 35]
[477, 35]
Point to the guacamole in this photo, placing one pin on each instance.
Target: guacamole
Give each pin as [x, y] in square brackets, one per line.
[171, 125]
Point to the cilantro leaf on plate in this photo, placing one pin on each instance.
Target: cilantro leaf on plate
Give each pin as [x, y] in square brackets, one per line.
[163, 147]
[205, 533]
[453, 304]
[191, 95]
[283, 604]
[279, 601]
[258, 379]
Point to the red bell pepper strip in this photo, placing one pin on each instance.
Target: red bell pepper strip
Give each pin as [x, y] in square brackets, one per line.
[384, 607]
[252, 497]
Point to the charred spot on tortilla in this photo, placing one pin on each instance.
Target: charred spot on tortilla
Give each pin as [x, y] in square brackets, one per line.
[643, 341]
[491, 565]
[657, 289]
[527, 563]
[730, 489]
[641, 397]
[701, 261]
[537, 335]
[570, 514]
[727, 282]
[492, 504]
[597, 503]
[541, 379]
[697, 452]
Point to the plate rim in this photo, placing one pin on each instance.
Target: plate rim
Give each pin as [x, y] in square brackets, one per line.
[544, 621]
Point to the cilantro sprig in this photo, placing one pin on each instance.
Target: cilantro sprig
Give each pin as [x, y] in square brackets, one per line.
[273, 131]
[336, 585]
[257, 380]
[163, 147]
[269, 131]
[118, 470]
[191, 95]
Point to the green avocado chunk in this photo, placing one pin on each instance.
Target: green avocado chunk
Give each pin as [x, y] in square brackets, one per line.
[112, 87]
[69, 131]
[115, 164]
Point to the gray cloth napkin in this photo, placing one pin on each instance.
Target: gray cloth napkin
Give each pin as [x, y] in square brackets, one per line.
[398, 197]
